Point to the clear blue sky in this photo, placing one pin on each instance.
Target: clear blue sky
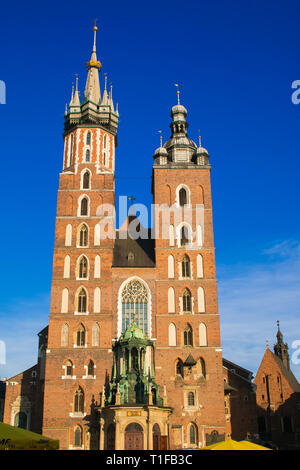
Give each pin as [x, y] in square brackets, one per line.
[235, 63]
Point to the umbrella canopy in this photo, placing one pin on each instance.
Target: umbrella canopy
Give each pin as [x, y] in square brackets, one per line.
[13, 438]
[230, 444]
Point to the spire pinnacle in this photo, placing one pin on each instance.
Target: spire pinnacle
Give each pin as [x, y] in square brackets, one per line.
[92, 88]
[199, 138]
[178, 93]
[76, 100]
[72, 94]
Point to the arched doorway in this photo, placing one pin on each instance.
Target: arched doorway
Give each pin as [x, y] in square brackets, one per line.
[134, 437]
[156, 437]
[21, 420]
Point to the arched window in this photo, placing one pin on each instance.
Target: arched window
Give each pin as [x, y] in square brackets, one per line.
[88, 138]
[171, 266]
[83, 268]
[84, 206]
[201, 299]
[91, 369]
[187, 301]
[193, 434]
[95, 335]
[202, 335]
[191, 399]
[182, 197]
[179, 367]
[86, 180]
[172, 334]
[97, 267]
[67, 262]
[79, 401]
[68, 238]
[186, 266]
[97, 300]
[82, 301]
[78, 437]
[188, 336]
[199, 266]
[184, 236]
[87, 155]
[83, 235]
[171, 300]
[65, 335]
[135, 300]
[80, 336]
[65, 301]
[201, 367]
[69, 369]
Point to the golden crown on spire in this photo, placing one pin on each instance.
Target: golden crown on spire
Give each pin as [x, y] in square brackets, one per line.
[94, 62]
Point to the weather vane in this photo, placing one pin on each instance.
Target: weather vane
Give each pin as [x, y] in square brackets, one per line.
[160, 132]
[178, 92]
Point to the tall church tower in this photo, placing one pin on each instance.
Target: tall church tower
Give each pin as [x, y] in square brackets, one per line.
[188, 352]
[81, 285]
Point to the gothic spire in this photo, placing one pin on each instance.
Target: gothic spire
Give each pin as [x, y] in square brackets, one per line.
[281, 348]
[92, 87]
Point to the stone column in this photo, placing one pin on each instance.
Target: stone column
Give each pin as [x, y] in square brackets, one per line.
[117, 436]
[101, 436]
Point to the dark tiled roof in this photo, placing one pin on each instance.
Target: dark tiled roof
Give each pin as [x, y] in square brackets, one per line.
[130, 253]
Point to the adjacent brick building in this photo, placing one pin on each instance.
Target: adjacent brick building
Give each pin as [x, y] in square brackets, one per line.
[278, 398]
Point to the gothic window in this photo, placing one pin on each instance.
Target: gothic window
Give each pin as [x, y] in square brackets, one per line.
[86, 180]
[179, 368]
[82, 301]
[104, 158]
[182, 197]
[188, 336]
[88, 138]
[187, 301]
[69, 368]
[91, 369]
[84, 206]
[184, 236]
[135, 301]
[191, 399]
[78, 437]
[186, 266]
[79, 401]
[193, 434]
[83, 235]
[80, 337]
[87, 155]
[83, 268]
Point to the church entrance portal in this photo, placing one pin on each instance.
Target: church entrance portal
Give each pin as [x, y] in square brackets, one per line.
[134, 438]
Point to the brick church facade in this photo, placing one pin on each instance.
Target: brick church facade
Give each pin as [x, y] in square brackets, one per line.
[132, 355]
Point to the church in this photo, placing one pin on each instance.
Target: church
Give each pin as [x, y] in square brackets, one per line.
[131, 358]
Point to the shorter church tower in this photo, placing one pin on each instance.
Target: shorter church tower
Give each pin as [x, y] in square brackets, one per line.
[281, 349]
[132, 414]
